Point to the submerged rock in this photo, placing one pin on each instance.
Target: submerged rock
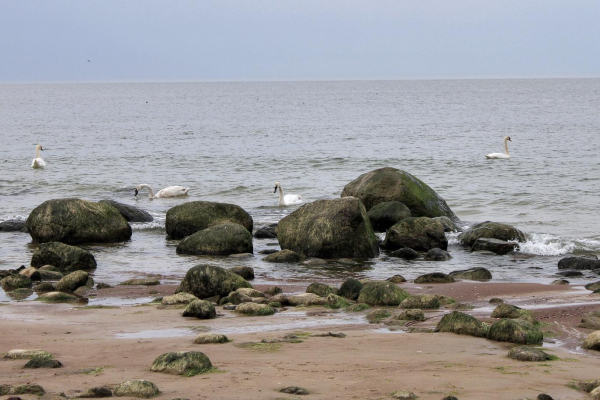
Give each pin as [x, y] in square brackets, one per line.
[527, 353]
[386, 214]
[63, 256]
[187, 363]
[130, 213]
[405, 253]
[57, 297]
[592, 342]
[266, 232]
[375, 316]
[515, 331]
[496, 246]
[578, 263]
[13, 225]
[421, 234]
[462, 324]
[382, 294]
[472, 274]
[140, 282]
[391, 184]
[20, 294]
[219, 240]
[200, 309]
[75, 221]
[570, 273]
[350, 289]
[206, 280]
[436, 254]
[284, 256]
[435, 277]
[136, 388]
[329, 229]
[245, 272]
[491, 230]
[414, 314]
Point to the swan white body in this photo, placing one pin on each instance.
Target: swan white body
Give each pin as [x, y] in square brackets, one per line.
[506, 154]
[171, 191]
[37, 161]
[288, 199]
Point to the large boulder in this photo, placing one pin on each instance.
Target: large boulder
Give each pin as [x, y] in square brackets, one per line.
[391, 184]
[382, 294]
[206, 280]
[435, 277]
[75, 221]
[69, 283]
[491, 230]
[462, 324]
[386, 214]
[420, 234]
[219, 240]
[472, 274]
[592, 342]
[579, 263]
[515, 331]
[186, 219]
[186, 363]
[63, 256]
[130, 213]
[329, 229]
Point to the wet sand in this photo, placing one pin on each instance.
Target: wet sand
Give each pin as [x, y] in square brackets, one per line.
[105, 346]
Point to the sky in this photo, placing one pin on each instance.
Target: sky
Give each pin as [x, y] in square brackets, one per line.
[248, 40]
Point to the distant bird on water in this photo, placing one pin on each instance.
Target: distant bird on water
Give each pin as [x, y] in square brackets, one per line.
[504, 155]
[37, 161]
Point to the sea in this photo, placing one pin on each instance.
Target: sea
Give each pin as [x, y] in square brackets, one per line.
[230, 142]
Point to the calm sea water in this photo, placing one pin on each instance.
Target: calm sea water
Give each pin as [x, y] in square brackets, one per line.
[231, 141]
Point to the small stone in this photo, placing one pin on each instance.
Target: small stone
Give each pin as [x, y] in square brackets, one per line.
[377, 315]
[437, 254]
[435, 277]
[496, 300]
[136, 388]
[403, 395]
[294, 390]
[253, 309]
[201, 309]
[207, 338]
[405, 253]
[103, 286]
[179, 298]
[273, 290]
[412, 315]
[396, 279]
[42, 362]
[97, 392]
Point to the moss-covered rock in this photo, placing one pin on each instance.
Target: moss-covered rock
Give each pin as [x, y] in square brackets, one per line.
[245, 272]
[386, 214]
[42, 362]
[57, 297]
[206, 280]
[15, 281]
[75, 221]
[32, 273]
[405, 253]
[527, 353]
[436, 254]
[187, 363]
[251, 292]
[588, 385]
[414, 314]
[210, 338]
[49, 275]
[422, 301]
[376, 316]
[391, 184]
[306, 300]
[336, 302]
[130, 213]
[24, 389]
[20, 294]
[403, 395]
[462, 324]
[358, 307]
[396, 279]
[508, 311]
[449, 225]
[515, 331]
[329, 229]
[350, 289]
[579, 263]
[140, 282]
[472, 274]
[593, 286]
[284, 256]
[595, 394]
[219, 240]
[186, 219]
[420, 234]
[435, 277]
[69, 283]
[200, 309]
[491, 230]
[136, 388]
[178, 298]
[592, 342]
[321, 289]
[591, 321]
[238, 298]
[63, 256]
[253, 309]
[496, 246]
[97, 393]
[382, 294]
[26, 354]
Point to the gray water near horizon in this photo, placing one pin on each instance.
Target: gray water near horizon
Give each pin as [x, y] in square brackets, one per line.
[230, 142]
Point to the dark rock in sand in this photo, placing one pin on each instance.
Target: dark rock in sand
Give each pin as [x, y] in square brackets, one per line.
[560, 282]
[350, 288]
[321, 289]
[130, 213]
[140, 282]
[13, 225]
[496, 246]
[382, 294]
[462, 324]
[515, 331]
[200, 309]
[435, 277]
[436, 254]
[578, 263]
[75, 221]
[396, 279]
[136, 388]
[592, 342]
[69, 283]
[403, 395]
[405, 253]
[527, 353]
[421, 234]
[472, 274]
[245, 272]
[387, 214]
[206, 280]
[187, 363]
[413, 314]
[283, 256]
[491, 230]
[593, 286]
[267, 232]
[219, 240]
[63, 256]
[543, 396]
[211, 338]
[570, 273]
[329, 229]
[391, 184]
[15, 281]
[42, 362]
[294, 390]
[103, 286]
[186, 219]
[97, 393]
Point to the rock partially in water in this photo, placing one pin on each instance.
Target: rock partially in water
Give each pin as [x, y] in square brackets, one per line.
[578, 263]
[391, 184]
[97, 393]
[304, 299]
[560, 282]
[50, 275]
[437, 255]
[396, 279]
[515, 331]
[141, 282]
[414, 314]
[136, 388]
[421, 301]
[435, 277]
[449, 225]
[528, 353]
[386, 214]
[130, 213]
[57, 297]
[266, 232]
[472, 274]
[69, 283]
[200, 309]
[253, 309]
[496, 246]
[15, 281]
[462, 324]
[382, 294]
[377, 315]
[219, 240]
[63, 256]
[570, 273]
[491, 230]
[350, 289]
[336, 302]
[20, 294]
[284, 256]
[592, 342]
[206, 280]
[178, 298]
[13, 225]
[31, 273]
[209, 338]
[187, 363]
[420, 234]
[321, 289]
[245, 272]
[405, 253]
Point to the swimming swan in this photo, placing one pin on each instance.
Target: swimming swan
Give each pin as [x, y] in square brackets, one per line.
[171, 191]
[37, 161]
[506, 154]
[288, 199]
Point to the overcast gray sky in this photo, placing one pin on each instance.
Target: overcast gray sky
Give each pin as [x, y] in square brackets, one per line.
[183, 40]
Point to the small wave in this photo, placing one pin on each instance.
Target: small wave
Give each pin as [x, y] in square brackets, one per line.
[551, 245]
[15, 217]
[144, 226]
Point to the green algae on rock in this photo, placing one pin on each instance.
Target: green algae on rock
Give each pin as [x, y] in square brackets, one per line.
[515, 331]
[63, 256]
[253, 309]
[200, 309]
[186, 363]
[382, 294]
[386, 214]
[419, 234]
[218, 240]
[462, 324]
[491, 230]
[205, 280]
[321, 289]
[136, 388]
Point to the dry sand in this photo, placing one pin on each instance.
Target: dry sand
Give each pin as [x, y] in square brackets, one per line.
[111, 345]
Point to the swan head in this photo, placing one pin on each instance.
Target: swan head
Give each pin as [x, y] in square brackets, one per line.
[507, 138]
[39, 147]
[276, 186]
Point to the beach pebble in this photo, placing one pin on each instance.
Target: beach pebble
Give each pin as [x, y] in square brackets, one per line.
[403, 395]
[294, 390]
[207, 338]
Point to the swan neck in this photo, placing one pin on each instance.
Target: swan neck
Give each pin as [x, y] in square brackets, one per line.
[506, 147]
[281, 202]
[150, 191]
[37, 152]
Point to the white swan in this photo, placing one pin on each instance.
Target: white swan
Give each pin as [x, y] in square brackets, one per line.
[506, 154]
[37, 161]
[288, 199]
[171, 191]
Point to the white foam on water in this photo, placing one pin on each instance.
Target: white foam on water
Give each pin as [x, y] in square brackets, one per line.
[551, 245]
